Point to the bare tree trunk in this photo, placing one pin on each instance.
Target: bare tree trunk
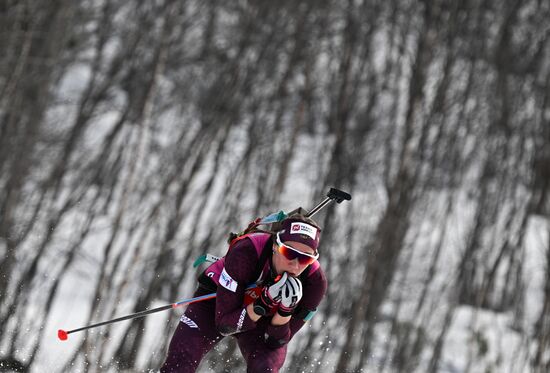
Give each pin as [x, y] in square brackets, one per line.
[23, 105]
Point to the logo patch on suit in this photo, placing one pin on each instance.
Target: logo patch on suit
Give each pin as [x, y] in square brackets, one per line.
[241, 320]
[227, 281]
[187, 321]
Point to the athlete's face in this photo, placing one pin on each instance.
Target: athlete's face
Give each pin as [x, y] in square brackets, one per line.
[292, 267]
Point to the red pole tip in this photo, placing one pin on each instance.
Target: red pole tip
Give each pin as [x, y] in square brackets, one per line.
[62, 335]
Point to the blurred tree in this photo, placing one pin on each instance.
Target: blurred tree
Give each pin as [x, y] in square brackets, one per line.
[135, 135]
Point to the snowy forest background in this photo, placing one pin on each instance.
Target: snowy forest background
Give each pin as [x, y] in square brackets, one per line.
[134, 135]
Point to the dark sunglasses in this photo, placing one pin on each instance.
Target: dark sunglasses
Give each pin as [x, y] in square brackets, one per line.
[291, 253]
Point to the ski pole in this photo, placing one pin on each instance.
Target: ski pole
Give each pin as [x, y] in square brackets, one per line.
[64, 334]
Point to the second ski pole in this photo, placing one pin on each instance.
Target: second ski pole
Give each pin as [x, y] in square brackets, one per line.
[64, 334]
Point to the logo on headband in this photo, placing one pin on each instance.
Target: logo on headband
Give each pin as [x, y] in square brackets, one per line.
[302, 228]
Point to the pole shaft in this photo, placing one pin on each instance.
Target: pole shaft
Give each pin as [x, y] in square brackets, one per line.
[127, 317]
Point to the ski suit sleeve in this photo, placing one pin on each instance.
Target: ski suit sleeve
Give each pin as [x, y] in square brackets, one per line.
[314, 289]
[239, 271]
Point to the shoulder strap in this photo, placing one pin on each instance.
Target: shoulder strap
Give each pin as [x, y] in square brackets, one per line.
[266, 251]
[252, 228]
[262, 243]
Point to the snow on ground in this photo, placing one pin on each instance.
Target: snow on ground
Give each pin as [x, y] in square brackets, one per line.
[488, 338]
[536, 244]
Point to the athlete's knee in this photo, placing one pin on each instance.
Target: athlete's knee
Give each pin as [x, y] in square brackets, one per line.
[186, 349]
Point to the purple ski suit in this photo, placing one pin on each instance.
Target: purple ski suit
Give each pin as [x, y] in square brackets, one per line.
[204, 324]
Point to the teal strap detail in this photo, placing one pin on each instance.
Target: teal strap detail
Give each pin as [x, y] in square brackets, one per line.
[275, 217]
[309, 315]
[205, 258]
[201, 259]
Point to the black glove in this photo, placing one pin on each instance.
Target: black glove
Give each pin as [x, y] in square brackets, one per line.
[270, 297]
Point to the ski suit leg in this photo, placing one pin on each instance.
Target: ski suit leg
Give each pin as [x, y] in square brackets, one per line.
[195, 335]
[259, 357]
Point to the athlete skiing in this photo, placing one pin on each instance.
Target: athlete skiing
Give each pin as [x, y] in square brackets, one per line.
[289, 285]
